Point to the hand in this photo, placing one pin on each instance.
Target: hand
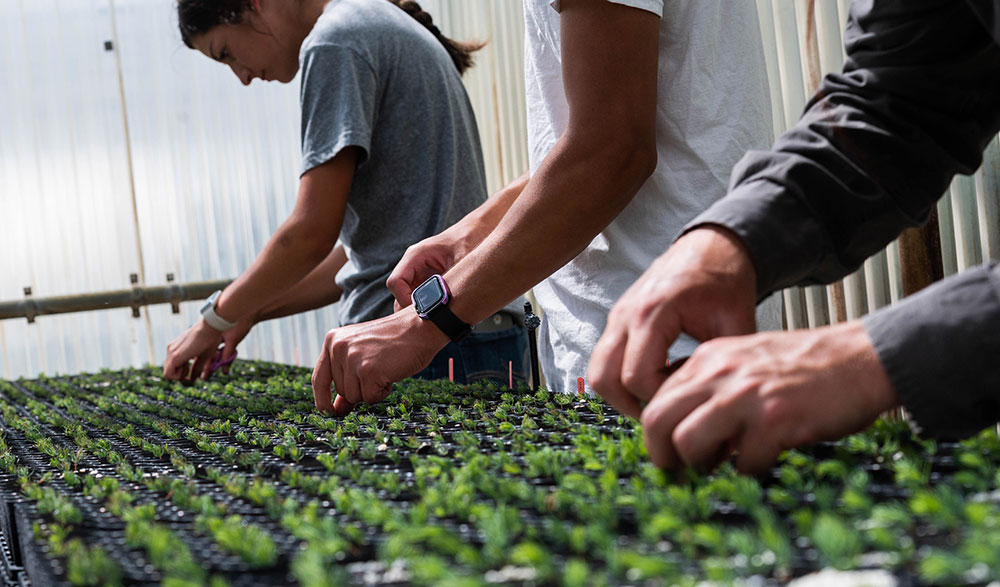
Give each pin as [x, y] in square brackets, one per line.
[364, 360]
[761, 394]
[190, 354]
[436, 254]
[231, 338]
[703, 285]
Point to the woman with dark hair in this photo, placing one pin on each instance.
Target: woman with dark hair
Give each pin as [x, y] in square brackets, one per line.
[390, 155]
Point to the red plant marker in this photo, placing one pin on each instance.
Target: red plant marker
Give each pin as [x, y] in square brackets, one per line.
[510, 374]
[579, 386]
[451, 369]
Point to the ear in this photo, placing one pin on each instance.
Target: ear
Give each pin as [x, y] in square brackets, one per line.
[258, 16]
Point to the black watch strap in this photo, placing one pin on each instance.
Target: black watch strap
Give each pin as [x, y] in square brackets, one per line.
[449, 323]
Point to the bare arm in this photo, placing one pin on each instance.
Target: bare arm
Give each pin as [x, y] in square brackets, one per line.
[610, 58]
[299, 245]
[439, 253]
[314, 291]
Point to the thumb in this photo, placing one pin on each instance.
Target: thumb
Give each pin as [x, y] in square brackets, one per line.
[400, 287]
[734, 323]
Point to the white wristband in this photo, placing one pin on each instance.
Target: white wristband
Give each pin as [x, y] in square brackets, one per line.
[211, 318]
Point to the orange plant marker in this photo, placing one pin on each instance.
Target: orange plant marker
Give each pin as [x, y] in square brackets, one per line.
[579, 386]
[510, 374]
[451, 369]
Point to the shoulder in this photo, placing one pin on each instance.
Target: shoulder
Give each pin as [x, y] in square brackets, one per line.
[360, 25]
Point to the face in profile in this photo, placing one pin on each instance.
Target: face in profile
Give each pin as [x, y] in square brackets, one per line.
[252, 49]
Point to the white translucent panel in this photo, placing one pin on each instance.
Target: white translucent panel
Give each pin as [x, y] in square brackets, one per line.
[966, 222]
[146, 157]
[946, 228]
[496, 82]
[67, 221]
[876, 271]
[216, 164]
[987, 181]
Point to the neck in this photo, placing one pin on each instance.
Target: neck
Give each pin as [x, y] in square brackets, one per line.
[292, 21]
[308, 12]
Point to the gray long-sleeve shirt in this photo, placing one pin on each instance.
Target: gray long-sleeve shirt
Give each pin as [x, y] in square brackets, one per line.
[917, 102]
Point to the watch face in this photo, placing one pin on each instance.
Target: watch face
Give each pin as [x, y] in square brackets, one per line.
[429, 294]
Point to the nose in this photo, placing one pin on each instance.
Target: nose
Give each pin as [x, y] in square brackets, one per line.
[245, 75]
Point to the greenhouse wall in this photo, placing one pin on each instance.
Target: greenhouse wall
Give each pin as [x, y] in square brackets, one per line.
[123, 152]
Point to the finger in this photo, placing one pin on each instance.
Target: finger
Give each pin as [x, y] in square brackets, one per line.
[662, 415]
[171, 368]
[400, 281]
[644, 366]
[228, 351]
[707, 436]
[342, 407]
[228, 356]
[756, 453]
[321, 380]
[604, 373]
[395, 306]
[734, 324]
[201, 368]
[198, 368]
[375, 392]
[345, 382]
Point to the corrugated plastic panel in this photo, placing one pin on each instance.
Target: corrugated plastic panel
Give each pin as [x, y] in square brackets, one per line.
[149, 158]
[67, 215]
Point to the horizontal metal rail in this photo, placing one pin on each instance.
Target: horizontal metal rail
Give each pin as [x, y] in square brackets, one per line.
[136, 297]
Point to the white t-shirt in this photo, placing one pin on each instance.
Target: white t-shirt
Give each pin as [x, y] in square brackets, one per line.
[713, 106]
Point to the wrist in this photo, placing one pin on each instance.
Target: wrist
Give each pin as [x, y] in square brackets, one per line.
[204, 326]
[867, 364]
[466, 235]
[424, 330]
[722, 251]
[430, 303]
[210, 314]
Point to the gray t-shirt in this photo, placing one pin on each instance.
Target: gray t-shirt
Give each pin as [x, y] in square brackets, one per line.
[374, 78]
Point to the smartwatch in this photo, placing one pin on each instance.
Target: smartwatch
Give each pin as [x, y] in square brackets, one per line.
[430, 300]
[211, 318]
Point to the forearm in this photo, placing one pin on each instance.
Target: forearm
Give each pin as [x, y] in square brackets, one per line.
[576, 192]
[939, 348]
[288, 257]
[478, 224]
[300, 244]
[876, 148]
[316, 290]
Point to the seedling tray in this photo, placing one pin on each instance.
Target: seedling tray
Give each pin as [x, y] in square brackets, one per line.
[125, 478]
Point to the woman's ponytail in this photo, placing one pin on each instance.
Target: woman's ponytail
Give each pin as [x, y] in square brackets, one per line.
[461, 53]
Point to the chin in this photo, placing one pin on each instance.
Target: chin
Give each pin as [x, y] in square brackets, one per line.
[288, 74]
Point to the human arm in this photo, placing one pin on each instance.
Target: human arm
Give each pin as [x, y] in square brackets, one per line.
[934, 353]
[316, 290]
[439, 253]
[609, 57]
[876, 148]
[301, 243]
[763, 393]
[872, 154]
